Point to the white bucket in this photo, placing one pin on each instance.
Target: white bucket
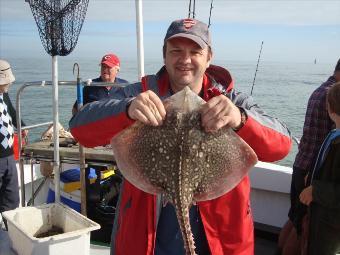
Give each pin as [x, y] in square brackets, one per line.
[26, 223]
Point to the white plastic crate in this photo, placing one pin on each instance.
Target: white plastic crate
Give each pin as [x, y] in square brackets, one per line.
[25, 223]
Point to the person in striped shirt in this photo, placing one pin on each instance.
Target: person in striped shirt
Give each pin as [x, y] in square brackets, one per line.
[9, 191]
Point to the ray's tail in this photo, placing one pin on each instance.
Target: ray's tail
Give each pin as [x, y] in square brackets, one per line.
[184, 224]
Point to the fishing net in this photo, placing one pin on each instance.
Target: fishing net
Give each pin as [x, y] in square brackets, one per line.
[59, 23]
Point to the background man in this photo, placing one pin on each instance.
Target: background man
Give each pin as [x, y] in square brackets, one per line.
[109, 68]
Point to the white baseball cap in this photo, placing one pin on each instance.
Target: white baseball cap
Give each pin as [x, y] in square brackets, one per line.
[6, 75]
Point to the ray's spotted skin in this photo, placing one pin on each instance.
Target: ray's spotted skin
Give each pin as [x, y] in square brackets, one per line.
[180, 160]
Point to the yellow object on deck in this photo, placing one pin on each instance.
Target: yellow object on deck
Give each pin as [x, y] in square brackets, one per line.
[72, 186]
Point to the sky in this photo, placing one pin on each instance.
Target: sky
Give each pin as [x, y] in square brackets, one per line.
[292, 30]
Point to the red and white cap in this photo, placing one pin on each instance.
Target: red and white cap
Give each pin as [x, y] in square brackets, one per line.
[110, 60]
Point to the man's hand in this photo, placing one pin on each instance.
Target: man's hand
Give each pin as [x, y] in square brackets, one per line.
[148, 108]
[219, 112]
[306, 196]
[24, 135]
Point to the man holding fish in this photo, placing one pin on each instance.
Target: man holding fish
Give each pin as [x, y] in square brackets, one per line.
[144, 224]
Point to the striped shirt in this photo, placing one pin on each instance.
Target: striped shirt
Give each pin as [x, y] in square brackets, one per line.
[6, 126]
[316, 127]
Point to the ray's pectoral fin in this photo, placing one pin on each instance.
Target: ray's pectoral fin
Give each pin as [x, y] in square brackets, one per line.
[127, 156]
[229, 160]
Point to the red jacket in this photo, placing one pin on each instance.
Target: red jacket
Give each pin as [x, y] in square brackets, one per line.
[227, 220]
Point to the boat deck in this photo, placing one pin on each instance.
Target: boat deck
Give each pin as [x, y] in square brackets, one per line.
[69, 153]
[5, 248]
[264, 245]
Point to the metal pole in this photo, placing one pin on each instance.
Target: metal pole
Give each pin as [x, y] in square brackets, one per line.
[140, 41]
[56, 164]
[21, 160]
[32, 183]
[81, 148]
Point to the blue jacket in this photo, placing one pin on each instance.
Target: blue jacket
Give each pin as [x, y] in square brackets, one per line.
[96, 93]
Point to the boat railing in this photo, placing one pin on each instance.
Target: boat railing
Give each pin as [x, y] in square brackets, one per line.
[296, 140]
[20, 128]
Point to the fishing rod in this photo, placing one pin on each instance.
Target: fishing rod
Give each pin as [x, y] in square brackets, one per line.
[211, 7]
[193, 12]
[294, 138]
[257, 66]
[193, 4]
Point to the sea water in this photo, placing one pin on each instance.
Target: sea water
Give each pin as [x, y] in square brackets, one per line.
[281, 89]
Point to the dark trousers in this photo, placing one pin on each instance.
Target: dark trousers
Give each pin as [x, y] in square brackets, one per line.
[297, 209]
[9, 191]
[324, 231]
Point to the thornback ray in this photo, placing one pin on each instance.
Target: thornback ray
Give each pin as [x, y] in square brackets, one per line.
[180, 160]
